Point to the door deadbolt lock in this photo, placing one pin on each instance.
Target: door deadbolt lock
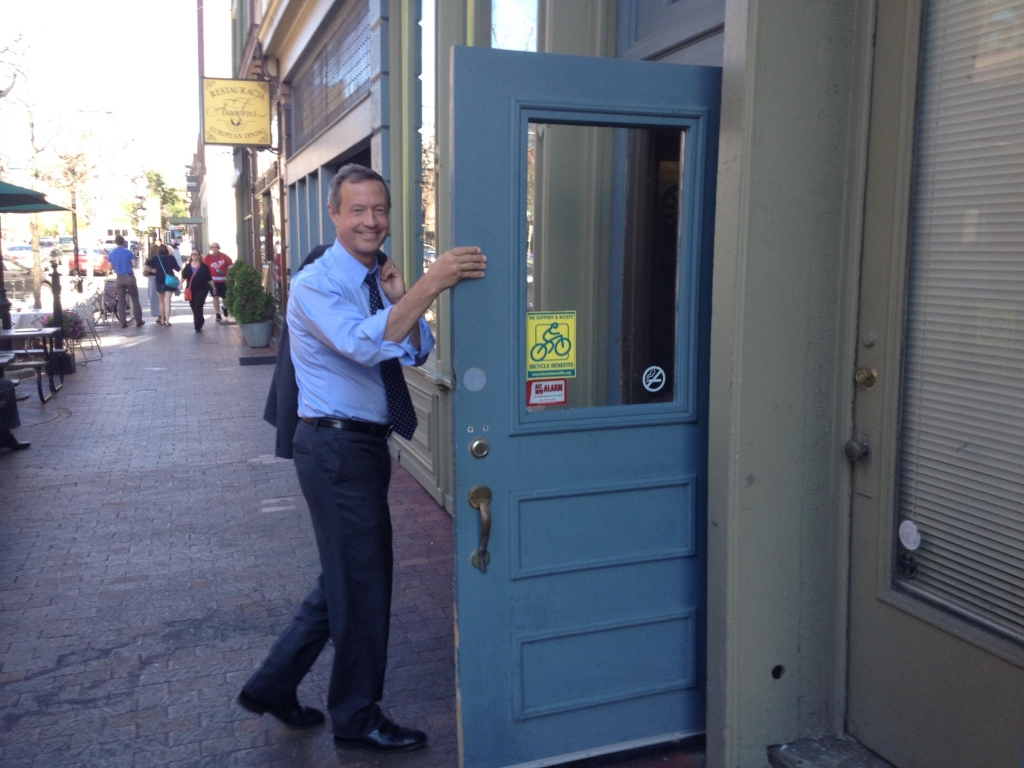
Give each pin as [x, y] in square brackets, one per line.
[866, 377]
[479, 448]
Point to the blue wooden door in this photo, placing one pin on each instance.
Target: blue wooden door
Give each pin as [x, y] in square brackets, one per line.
[580, 405]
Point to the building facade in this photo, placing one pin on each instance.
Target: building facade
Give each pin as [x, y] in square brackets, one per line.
[850, 511]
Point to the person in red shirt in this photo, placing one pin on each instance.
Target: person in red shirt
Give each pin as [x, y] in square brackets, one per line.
[218, 263]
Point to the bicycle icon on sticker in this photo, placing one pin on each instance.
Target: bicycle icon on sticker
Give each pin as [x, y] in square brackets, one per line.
[555, 344]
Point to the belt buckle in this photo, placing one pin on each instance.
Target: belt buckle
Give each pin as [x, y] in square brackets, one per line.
[391, 428]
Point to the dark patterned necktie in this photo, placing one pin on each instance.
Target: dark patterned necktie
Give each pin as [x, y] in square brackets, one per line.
[403, 415]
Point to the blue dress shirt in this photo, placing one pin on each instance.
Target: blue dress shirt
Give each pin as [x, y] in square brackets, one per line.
[337, 345]
[121, 260]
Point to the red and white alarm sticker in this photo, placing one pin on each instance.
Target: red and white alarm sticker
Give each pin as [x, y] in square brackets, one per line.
[547, 392]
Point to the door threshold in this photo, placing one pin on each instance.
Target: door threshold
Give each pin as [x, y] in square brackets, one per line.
[626, 751]
[826, 752]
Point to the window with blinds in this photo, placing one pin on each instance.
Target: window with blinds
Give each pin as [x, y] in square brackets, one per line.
[336, 79]
[961, 472]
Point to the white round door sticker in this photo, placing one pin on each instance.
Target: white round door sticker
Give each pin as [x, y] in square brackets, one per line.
[910, 536]
[654, 379]
[474, 379]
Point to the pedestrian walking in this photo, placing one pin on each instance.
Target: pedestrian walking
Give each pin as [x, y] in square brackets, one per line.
[164, 264]
[196, 276]
[123, 263]
[219, 263]
[352, 326]
[150, 274]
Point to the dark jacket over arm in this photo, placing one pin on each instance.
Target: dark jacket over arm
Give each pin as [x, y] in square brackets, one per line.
[282, 409]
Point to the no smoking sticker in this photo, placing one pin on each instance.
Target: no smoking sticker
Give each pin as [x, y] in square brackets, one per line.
[654, 379]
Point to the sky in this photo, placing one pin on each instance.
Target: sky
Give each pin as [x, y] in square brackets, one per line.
[126, 70]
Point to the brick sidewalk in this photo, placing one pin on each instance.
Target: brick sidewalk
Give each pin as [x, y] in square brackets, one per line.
[151, 548]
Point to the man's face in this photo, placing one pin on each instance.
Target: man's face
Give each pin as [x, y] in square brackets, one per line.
[361, 218]
[214, 248]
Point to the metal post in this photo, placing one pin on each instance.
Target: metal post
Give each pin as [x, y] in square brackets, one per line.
[74, 235]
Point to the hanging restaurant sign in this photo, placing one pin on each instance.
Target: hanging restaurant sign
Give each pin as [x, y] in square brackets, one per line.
[236, 112]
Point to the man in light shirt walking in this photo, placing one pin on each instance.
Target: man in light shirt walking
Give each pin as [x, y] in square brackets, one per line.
[353, 325]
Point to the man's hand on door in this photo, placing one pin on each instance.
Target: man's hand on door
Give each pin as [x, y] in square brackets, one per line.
[460, 263]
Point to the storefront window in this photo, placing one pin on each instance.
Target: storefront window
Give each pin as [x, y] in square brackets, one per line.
[428, 144]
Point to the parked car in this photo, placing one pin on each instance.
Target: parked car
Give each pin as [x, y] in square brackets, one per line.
[20, 286]
[21, 253]
[90, 261]
[66, 243]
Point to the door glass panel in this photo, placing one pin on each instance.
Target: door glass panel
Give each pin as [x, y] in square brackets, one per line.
[602, 262]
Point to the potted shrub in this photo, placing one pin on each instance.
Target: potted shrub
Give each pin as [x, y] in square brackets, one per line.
[252, 307]
[74, 330]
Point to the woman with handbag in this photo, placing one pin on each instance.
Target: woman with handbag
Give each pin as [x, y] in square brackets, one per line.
[164, 266]
[197, 277]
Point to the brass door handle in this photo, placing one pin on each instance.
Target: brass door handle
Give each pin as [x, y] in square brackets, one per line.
[480, 499]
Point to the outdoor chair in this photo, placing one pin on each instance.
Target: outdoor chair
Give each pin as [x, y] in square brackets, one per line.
[91, 339]
[100, 316]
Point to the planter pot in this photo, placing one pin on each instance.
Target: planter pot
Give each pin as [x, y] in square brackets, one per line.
[257, 334]
[63, 363]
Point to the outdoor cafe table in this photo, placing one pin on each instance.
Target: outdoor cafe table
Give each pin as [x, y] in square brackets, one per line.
[44, 335]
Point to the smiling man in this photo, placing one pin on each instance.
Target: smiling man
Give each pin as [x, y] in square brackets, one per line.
[352, 326]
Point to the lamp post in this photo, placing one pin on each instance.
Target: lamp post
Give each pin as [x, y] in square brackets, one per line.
[74, 237]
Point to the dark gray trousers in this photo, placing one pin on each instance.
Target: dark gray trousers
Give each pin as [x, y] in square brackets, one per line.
[126, 284]
[344, 477]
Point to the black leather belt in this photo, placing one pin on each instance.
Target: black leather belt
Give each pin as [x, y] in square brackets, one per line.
[352, 425]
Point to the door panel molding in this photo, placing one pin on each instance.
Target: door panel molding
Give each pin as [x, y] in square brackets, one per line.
[687, 510]
[686, 677]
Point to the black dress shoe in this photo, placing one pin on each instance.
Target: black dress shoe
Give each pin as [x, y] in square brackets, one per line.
[389, 737]
[8, 440]
[292, 714]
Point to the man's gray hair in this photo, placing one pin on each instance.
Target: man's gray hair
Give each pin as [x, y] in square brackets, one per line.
[354, 173]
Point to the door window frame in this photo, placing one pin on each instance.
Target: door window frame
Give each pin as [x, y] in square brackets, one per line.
[684, 407]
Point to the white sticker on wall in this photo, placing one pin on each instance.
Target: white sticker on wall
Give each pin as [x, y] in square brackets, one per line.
[654, 379]
[910, 536]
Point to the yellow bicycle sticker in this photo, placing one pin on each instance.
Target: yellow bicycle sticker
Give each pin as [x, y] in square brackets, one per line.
[551, 345]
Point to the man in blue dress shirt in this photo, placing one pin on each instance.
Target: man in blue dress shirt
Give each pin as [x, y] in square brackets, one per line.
[352, 325]
[123, 262]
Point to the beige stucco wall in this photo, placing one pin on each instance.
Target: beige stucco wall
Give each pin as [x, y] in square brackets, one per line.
[780, 325]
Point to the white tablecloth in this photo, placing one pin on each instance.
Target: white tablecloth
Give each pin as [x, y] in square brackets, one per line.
[26, 319]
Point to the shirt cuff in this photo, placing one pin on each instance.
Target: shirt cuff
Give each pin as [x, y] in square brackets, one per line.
[419, 356]
[373, 328]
